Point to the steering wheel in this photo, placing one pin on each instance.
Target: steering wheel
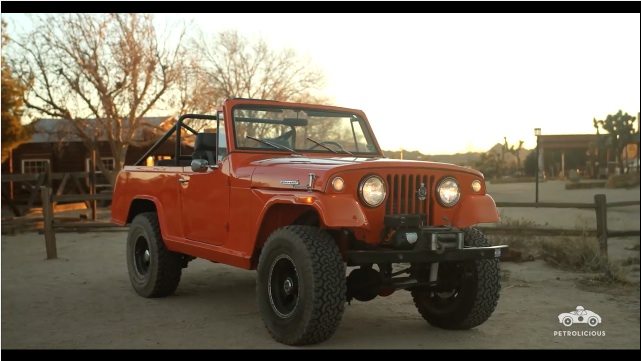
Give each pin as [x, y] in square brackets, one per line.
[327, 142]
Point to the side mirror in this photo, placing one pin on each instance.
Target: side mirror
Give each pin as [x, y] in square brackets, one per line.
[199, 165]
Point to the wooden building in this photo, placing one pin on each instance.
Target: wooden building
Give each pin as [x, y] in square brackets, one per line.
[55, 145]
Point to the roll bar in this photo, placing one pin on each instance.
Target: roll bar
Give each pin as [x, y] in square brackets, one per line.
[179, 125]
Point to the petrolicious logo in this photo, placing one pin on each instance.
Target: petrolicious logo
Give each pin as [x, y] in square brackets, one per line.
[578, 320]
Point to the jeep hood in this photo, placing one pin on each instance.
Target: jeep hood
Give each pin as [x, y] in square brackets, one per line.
[294, 172]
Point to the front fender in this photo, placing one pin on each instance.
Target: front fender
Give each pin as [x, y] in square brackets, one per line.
[476, 209]
[334, 211]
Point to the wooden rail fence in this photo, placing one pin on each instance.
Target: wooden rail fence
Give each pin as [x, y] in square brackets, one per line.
[32, 182]
[41, 183]
[600, 206]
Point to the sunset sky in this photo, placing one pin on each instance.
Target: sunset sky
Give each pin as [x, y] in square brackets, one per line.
[453, 83]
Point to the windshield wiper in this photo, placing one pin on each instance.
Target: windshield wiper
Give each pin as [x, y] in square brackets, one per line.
[277, 146]
[330, 149]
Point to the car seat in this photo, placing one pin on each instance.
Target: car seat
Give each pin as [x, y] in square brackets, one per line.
[205, 147]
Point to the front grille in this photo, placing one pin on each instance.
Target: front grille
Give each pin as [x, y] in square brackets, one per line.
[402, 194]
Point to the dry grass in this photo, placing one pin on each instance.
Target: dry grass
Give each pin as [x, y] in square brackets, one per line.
[574, 253]
[528, 245]
[521, 223]
[633, 248]
[578, 254]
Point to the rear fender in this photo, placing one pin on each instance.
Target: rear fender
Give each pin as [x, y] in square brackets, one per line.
[147, 204]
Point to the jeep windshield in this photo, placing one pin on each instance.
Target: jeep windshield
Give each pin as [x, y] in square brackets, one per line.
[283, 129]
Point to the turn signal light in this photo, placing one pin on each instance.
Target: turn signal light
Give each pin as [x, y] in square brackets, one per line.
[305, 200]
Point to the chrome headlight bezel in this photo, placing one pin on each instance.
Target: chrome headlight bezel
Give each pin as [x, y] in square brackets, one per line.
[365, 191]
[445, 190]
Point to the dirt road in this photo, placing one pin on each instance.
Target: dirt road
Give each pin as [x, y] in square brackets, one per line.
[83, 300]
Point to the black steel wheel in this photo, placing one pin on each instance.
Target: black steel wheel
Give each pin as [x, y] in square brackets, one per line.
[283, 286]
[154, 271]
[300, 285]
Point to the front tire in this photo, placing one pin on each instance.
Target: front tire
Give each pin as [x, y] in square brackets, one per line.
[154, 271]
[474, 297]
[300, 285]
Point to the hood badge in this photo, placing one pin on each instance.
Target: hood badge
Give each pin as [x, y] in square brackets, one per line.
[422, 192]
[296, 183]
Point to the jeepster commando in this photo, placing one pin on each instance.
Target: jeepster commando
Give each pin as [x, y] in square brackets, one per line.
[304, 195]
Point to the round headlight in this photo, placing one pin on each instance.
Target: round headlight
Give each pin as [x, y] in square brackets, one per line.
[476, 186]
[338, 184]
[448, 192]
[372, 191]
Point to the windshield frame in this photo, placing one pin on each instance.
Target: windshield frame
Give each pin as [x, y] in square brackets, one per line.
[370, 147]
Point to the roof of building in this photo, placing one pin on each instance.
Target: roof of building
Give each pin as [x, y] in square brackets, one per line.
[566, 141]
[55, 130]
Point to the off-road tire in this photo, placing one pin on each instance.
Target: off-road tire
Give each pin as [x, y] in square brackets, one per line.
[300, 285]
[475, 301]
[154, 271]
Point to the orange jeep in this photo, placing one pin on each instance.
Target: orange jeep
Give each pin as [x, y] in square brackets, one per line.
[303, 194]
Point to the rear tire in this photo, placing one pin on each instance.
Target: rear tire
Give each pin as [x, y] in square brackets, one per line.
[300, 285]
[154, 271]
[473, 301]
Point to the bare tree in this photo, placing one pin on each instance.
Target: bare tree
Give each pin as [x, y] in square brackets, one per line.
[229, 65]
[101, 72]
[234, 67]
[195, 93]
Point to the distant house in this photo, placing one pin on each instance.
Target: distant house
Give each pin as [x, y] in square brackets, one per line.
[55, 144]
[559, 153]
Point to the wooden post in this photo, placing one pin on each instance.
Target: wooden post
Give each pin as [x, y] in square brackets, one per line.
[92, 190]
[601, 222]
[14, 208]
[48, 177]
[11, 172]
[47, 214]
